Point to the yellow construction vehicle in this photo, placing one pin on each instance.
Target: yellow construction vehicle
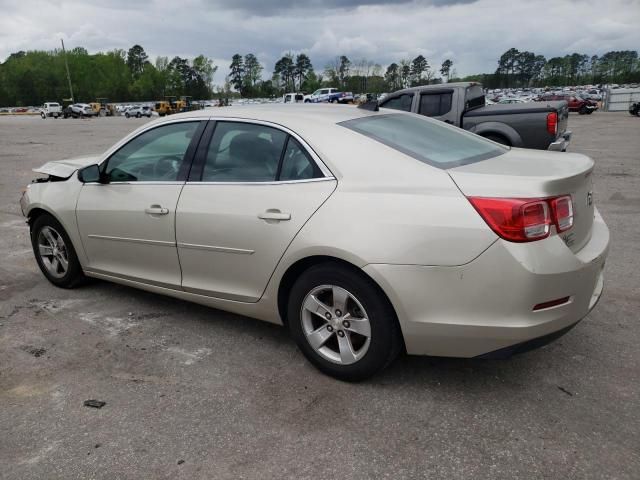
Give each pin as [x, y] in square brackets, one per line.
[165, 107]
[103, 108]
[172, 104]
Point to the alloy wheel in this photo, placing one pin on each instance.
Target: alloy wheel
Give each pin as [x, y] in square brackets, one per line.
[53, 252]
[336, 324]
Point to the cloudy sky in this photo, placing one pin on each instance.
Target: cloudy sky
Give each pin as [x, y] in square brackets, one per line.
[473, 33]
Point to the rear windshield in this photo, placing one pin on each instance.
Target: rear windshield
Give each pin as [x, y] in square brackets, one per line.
[426, 140]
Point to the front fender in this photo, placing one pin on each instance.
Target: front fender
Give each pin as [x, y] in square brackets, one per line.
[59, 200]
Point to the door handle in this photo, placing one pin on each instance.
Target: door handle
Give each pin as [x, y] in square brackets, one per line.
[156, 210]
[274, 214]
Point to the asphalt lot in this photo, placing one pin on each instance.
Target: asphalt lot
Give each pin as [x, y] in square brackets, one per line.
[193, 392]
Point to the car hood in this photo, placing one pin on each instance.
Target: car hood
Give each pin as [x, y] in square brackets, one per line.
[65, 168]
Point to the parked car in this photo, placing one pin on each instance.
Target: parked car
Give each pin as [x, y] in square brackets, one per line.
[138, 111]
[293, 98]
[529, 125]
[394, 232]
[576, 103]
[329, 95]
[508, 101]
[51, 109]
[78, 110]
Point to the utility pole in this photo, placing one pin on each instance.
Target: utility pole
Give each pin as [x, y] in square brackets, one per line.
[64, 54]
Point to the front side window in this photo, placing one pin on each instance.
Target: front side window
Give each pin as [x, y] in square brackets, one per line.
[155, 155]
[435, 104]
[401, 102]
[243, 152]
[426, 140]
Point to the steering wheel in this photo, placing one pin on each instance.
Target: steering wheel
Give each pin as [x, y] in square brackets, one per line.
[167, 167]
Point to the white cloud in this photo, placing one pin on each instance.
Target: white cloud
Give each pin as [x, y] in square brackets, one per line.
[472, 34]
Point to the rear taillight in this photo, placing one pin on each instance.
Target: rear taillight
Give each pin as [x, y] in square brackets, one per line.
[562, 208]
[525, 219]
[552, 123]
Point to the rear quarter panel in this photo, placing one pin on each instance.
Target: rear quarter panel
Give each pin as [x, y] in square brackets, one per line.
[389, 208]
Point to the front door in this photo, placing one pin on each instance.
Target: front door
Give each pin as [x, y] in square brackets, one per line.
[256, 188]
[127, 224]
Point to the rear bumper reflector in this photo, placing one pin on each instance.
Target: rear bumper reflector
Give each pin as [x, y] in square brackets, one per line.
[551, 303]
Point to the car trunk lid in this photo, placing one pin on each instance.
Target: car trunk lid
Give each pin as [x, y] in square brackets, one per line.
[523, 173]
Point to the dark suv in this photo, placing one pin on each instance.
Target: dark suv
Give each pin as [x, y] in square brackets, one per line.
[576, 103]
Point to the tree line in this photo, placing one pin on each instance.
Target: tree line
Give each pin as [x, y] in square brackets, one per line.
[528, 69]
[35, 77]
[31, 78]
[295, 73]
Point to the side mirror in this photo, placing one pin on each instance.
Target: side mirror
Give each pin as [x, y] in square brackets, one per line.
[90, 174]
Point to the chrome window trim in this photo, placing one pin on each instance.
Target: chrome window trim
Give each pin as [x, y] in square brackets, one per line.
[145, 182]
[269, 182]
[312, 153]
[143, 129]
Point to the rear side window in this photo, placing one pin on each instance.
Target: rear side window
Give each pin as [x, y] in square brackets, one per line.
[435, 104]
[243, 152]
[401, 102]
[296, 163]
[426, 140]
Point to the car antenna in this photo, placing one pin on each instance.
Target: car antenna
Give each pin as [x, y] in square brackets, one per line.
[371, 105]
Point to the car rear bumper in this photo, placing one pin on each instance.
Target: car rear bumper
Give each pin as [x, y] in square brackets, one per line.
[562, 143]
[487, 305]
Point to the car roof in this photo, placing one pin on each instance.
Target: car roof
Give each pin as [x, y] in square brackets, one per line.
[340, 148]
[293, 116]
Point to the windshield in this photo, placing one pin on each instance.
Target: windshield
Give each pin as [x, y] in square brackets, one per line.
[426, 140]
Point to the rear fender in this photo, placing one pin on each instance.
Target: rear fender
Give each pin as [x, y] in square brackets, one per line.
[497, 128]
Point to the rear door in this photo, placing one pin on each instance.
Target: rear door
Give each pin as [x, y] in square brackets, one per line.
[252, 188]
[439, 104]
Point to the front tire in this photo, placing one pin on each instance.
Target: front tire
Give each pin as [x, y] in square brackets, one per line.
[343, 322]
[54, 253]
[138, 115]
[126, 115]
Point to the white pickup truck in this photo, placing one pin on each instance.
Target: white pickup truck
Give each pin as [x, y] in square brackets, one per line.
[51, 109]
[330, 95]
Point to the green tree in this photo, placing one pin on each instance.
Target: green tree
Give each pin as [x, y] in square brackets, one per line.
[405, 73]
[137, 59]
[392, 77]
[303, 68]
[285, 70]
[445, 69]
[236, 72]
[252, 73]
[419, 66]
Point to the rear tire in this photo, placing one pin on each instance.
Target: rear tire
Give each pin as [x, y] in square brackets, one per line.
[362, 336]
[126, 115]
[138, 115]
[55, 254]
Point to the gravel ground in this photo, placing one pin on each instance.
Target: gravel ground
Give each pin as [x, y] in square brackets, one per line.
[193, 392]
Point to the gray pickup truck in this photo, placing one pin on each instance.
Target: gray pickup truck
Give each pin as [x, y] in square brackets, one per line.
[538, 125]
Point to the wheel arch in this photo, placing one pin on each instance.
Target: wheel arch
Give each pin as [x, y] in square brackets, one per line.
[498, 129]
[297, 268]
[36, 212]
